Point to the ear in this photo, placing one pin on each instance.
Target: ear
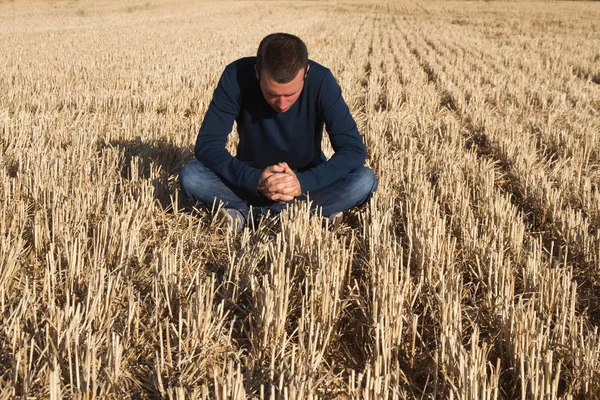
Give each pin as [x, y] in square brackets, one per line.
[306, 72]
[256, 73]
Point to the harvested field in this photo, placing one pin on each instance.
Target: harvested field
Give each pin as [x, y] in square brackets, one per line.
[474, 273]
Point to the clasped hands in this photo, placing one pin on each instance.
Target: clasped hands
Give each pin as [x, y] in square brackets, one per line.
[279, 183]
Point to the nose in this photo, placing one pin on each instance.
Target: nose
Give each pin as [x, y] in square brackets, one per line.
[280, 102]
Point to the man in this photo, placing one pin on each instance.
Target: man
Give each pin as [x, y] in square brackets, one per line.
[280, 101]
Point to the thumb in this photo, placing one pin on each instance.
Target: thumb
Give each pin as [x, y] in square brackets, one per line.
[277, 168]
[285, 167]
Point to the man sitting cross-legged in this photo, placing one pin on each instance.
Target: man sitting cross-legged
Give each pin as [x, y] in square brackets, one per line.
[280, 101]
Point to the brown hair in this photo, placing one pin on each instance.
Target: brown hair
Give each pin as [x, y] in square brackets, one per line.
[281, 55]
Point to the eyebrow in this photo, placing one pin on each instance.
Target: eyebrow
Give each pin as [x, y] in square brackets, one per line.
[291, 94]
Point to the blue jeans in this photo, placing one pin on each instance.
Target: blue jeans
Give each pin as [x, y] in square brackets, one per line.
[202, 185]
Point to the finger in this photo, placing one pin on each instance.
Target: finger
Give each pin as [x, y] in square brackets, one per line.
[289, 190]
[285, 167]
[281, 179]
[279, 182]
[270, 184]
[263, 185]
[281, 197]
[271, 170]
[282, 189]
[269, 179]
[285, 181]
[276, 179]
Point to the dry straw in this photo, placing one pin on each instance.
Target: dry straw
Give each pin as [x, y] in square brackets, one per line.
[472, 274]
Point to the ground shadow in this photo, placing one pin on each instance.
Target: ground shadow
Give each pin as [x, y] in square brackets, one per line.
[155, 160]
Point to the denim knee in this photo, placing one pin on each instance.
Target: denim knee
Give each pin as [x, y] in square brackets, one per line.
[191, 176]
[366, 183]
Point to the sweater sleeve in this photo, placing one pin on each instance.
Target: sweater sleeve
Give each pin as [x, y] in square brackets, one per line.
[212, 137]
[345, 139]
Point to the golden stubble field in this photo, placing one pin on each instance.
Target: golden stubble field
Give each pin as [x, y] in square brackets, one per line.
[473, 274]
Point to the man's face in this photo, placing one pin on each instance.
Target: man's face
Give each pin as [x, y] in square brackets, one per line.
[281, 96]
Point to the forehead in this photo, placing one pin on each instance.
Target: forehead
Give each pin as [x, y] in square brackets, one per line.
[276, 88]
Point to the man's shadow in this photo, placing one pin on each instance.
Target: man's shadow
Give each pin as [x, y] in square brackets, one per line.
[156, 160]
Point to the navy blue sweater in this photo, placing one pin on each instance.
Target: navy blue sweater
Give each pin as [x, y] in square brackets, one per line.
[267, 137]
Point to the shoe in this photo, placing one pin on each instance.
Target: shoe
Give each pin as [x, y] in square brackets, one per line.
[231, 219]
[335, 219]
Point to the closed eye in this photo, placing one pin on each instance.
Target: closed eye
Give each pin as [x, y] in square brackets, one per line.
[284, 95]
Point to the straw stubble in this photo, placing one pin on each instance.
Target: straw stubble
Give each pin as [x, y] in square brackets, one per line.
[472, 273]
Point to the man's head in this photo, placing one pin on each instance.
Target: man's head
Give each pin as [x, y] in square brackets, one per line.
[281, 67]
